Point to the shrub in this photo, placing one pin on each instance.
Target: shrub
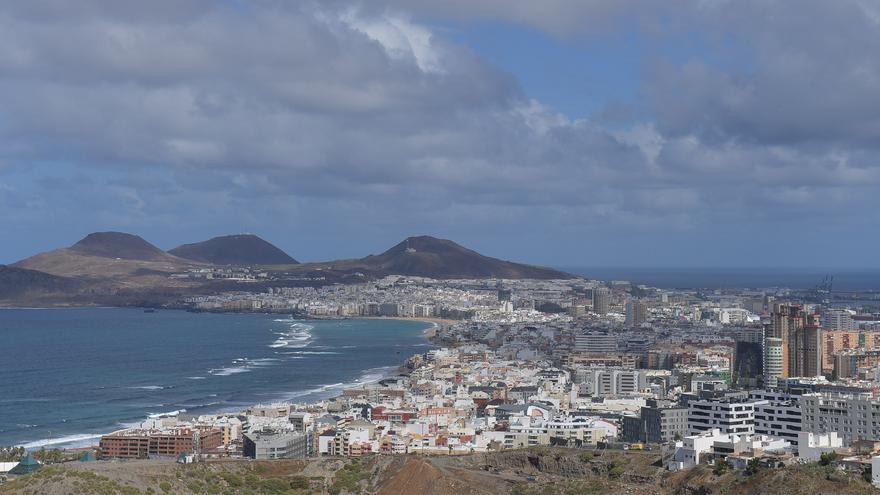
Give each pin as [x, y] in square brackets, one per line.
[827, 458]
[753, 466]
[721, 467]
[232, 479]
[616, 472]
[586, 456]
[274, 485]
[300, 483]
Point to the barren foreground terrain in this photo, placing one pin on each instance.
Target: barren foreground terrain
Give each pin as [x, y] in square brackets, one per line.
[539, 471]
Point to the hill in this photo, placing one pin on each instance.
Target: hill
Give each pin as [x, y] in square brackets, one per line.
[118, 245]
[426, 256]
[536, 471]
[17, 284]
[106, 255]
[243, 249]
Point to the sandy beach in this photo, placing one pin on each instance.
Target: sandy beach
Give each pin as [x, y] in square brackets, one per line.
[429, 332]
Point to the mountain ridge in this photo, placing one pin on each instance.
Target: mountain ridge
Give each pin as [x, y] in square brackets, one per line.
[115, 268]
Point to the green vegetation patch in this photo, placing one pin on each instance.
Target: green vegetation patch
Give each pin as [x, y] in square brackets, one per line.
[348, 479]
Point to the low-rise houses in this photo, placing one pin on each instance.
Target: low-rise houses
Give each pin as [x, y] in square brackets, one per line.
[713, 444]
[811, 446]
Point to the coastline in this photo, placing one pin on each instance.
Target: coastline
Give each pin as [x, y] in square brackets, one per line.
[319, 393]
[430, 332]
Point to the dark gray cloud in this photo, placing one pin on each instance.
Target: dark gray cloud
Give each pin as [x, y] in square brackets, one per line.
[810, 76]
[339, 119]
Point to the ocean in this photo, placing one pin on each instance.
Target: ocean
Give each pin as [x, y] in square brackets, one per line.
[69, 375]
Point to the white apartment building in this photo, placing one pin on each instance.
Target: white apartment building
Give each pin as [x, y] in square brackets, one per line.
[777, 415]
[689, 450]
[728, 415]
[838, 319]
[608, 382]
[275, 444]
[852, 416]
[811, 446]
[526, 431]
[692, 450]
[734, 316]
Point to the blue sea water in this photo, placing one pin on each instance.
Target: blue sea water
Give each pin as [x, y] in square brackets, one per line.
[69, 375]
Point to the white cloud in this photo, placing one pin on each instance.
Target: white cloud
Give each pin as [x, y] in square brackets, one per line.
[359, 115]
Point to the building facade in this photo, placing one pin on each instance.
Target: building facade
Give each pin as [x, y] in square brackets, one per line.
[601, 300]
[171, 442]
[729, 415]
[275, 444]
[852, 416]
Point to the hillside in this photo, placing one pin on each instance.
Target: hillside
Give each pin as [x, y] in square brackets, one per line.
[536, 471]
[18, 284]
[240, 250]
[105, 256]
[118, 245]
[426, 256]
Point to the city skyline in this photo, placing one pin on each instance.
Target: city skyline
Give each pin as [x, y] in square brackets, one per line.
[718, 134]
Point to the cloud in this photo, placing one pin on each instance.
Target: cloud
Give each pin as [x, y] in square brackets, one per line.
[564, 18]
[192, 116]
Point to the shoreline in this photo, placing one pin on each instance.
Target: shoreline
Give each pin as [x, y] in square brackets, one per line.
[430, 332]
[391, 370]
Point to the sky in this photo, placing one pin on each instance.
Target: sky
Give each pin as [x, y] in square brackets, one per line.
[685, 133]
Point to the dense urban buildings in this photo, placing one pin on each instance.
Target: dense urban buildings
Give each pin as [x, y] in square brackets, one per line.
[733, 374]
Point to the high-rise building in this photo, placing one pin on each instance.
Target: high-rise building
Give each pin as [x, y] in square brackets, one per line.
[747, 369]
[601, 300]
[837, 319]
[801, 340]
[774, 363]
[805, 351]
[636, 312]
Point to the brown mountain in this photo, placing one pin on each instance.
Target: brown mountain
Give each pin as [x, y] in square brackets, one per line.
[104, 255]
[118, 245]
[20, 284]
[426, 256]
[242, 249]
